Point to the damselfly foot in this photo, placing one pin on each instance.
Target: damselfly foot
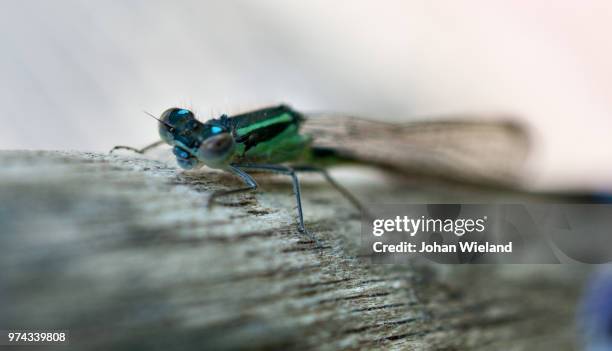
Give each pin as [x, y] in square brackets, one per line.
[310, 236]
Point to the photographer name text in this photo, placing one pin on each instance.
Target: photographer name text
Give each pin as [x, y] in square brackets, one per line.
[411, 227]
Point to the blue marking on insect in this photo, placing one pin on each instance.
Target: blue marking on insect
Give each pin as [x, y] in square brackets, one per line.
[186, 163]
[179, 152]
[216, 129]
[182, 112]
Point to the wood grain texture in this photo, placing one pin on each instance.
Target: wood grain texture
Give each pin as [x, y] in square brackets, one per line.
[121, 251]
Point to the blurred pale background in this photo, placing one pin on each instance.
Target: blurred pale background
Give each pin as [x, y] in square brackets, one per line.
[77, 74]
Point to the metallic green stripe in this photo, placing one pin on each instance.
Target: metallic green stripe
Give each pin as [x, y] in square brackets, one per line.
[285, 117]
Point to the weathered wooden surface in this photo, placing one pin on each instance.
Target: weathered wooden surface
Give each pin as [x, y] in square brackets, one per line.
[121, 251]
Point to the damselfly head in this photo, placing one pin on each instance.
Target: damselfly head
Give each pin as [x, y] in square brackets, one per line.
[174, 121]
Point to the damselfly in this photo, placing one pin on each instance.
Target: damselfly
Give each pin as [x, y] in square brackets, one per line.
[281, 140]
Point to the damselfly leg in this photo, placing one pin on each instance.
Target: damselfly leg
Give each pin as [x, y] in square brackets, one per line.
[248, 180]
[342, 190]
[139, 151]
[238, 169]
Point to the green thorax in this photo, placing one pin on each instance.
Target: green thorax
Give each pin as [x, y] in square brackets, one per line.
[269, 135]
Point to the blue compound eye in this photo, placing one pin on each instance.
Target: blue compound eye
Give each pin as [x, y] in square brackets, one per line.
[216, 129]
[179, 115]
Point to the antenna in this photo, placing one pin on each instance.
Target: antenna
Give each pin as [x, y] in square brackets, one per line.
[170, 126]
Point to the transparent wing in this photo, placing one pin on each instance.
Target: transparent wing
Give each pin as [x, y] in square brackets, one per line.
[467, 148]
